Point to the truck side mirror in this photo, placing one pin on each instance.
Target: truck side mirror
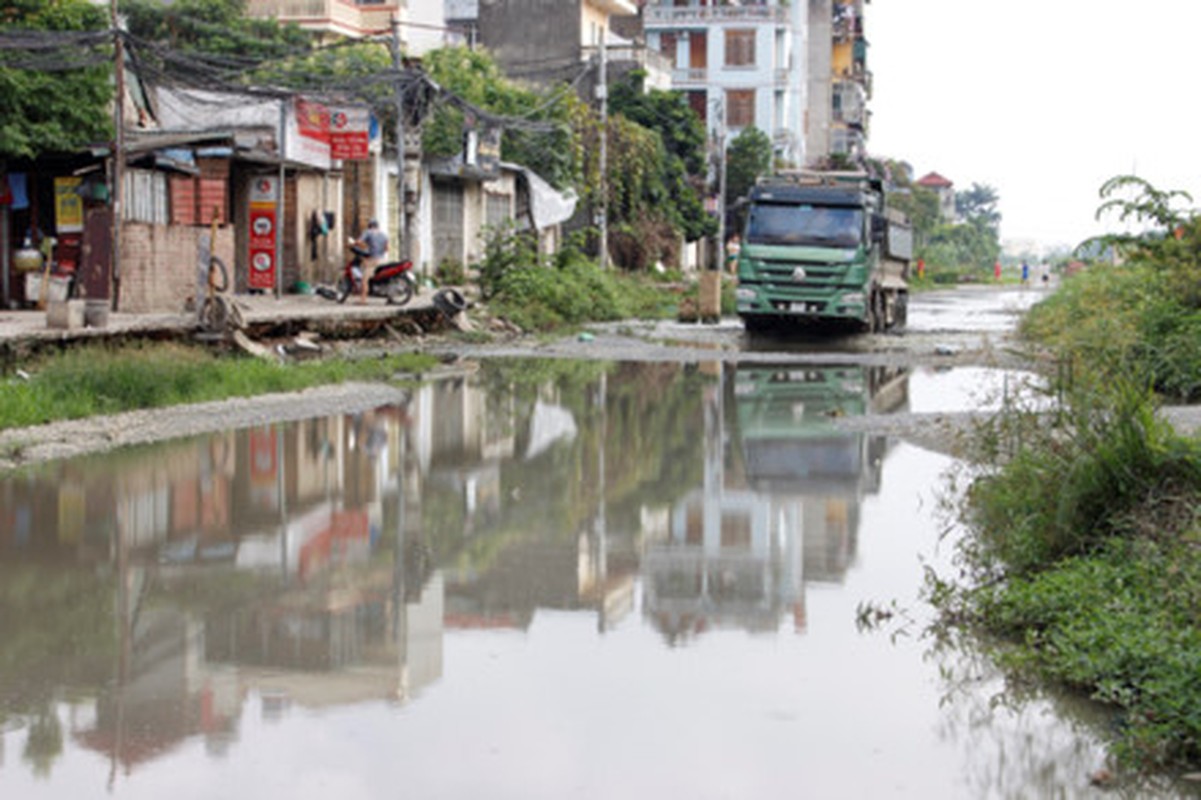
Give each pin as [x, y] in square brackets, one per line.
[879, 227]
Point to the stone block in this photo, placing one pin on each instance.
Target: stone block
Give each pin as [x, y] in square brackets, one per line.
[65, 314]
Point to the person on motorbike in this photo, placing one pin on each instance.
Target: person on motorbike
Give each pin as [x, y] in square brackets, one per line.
[375, 242]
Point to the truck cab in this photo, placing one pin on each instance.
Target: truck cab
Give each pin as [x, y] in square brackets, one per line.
[821, 247]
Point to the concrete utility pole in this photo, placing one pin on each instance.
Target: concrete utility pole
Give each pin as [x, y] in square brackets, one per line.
[721, 184]
[602, 95]
[118, 189]
[280, 196]
[402, 215]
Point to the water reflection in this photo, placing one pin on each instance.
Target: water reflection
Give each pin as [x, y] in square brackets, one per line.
[191, 596]
[779, 501]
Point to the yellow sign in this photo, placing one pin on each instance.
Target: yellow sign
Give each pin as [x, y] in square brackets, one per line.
[68, 205]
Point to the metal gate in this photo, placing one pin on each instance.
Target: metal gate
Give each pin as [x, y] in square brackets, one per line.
[448, 223]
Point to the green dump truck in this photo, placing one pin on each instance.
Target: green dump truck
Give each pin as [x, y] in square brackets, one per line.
[822, 248]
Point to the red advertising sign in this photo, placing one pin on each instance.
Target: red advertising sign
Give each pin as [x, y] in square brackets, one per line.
[349, 131]
[312, 120]
[264, 196]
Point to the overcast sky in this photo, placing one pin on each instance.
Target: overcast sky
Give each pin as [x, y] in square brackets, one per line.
[1042, 99]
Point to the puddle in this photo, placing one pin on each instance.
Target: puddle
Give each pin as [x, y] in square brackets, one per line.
[548, 579]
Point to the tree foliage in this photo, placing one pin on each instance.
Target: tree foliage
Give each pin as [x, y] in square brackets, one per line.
[748, 158]
[52, 111]
[219, 27]
[978, 205]
[666, 113]
[475, 77]
[654, 184]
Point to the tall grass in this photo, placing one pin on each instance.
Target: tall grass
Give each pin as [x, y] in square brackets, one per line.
[98, 379]
[1080, 478]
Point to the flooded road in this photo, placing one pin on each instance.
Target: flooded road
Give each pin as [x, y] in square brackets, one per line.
[543, 579]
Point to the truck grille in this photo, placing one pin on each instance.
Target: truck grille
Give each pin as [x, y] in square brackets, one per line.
[816, 274]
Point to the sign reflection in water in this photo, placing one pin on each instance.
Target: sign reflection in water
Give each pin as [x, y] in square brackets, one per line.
[320, 563]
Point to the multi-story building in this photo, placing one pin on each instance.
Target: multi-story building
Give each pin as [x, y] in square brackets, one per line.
[839, 82]
[555, 41]
[420, 23]
[740, 64]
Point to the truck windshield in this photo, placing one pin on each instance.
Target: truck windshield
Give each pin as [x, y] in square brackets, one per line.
[780, 223]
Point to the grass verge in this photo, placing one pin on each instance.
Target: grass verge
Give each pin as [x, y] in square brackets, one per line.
[1085, 559]
[96, 379]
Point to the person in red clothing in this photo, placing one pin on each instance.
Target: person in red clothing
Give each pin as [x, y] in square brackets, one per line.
[996, 271]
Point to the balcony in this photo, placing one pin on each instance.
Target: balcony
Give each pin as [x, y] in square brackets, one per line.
[333, 16]
[682, 16]
[683, 78]
[658, 67]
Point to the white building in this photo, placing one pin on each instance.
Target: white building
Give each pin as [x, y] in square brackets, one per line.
[740, 64]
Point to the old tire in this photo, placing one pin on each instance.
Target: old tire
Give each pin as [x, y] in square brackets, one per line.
[450, 301]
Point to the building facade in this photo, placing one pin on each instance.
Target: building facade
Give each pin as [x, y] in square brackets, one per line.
[421, 24]
[839, 82]
[739, 64]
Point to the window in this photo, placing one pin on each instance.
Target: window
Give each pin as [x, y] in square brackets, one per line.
[740, 108]
[667, 46]
[740, 48]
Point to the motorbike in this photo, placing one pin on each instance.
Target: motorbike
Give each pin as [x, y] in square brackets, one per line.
[392, 280]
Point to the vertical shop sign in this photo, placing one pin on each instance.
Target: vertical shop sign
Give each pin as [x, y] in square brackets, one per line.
[264, 219]
[68, 205]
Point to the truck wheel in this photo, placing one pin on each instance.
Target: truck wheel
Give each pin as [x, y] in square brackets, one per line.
[876, 312]
[900, 316]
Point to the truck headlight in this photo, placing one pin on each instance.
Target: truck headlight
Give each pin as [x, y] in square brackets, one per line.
[744, 294]
[853, 298]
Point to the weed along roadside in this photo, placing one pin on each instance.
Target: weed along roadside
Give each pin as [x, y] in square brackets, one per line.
[1085, 553]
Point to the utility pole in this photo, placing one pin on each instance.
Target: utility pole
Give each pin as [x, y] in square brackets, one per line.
[719, 109]
[118, 187]
[280, 197]
[602, 94]
[402, 215]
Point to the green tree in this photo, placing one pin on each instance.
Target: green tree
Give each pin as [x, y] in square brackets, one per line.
[748, 158]
[978, 204]
[476, 78]
[667, 113]
[45, 108]
[669, 186]
[217, 27]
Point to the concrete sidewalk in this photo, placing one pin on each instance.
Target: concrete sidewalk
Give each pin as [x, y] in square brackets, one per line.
[16, 326]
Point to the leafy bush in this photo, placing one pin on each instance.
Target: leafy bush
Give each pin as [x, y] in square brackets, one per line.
[546, 292]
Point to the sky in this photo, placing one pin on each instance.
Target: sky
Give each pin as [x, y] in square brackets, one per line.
[1044, 100]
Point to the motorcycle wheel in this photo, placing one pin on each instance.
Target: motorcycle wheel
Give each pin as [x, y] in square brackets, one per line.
[399, 292]
[344, 288]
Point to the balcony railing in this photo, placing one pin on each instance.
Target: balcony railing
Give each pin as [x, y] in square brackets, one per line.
[681, 77]
[676, 16]
[339, 15]
[655, 63]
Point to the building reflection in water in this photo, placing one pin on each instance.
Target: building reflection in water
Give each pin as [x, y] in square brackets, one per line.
[319, 563]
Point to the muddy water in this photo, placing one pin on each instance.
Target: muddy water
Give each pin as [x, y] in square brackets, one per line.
[541, 580]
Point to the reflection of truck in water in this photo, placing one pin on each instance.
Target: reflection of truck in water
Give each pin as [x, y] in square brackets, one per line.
[790, 445]
[779, 504]
[822, 247]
